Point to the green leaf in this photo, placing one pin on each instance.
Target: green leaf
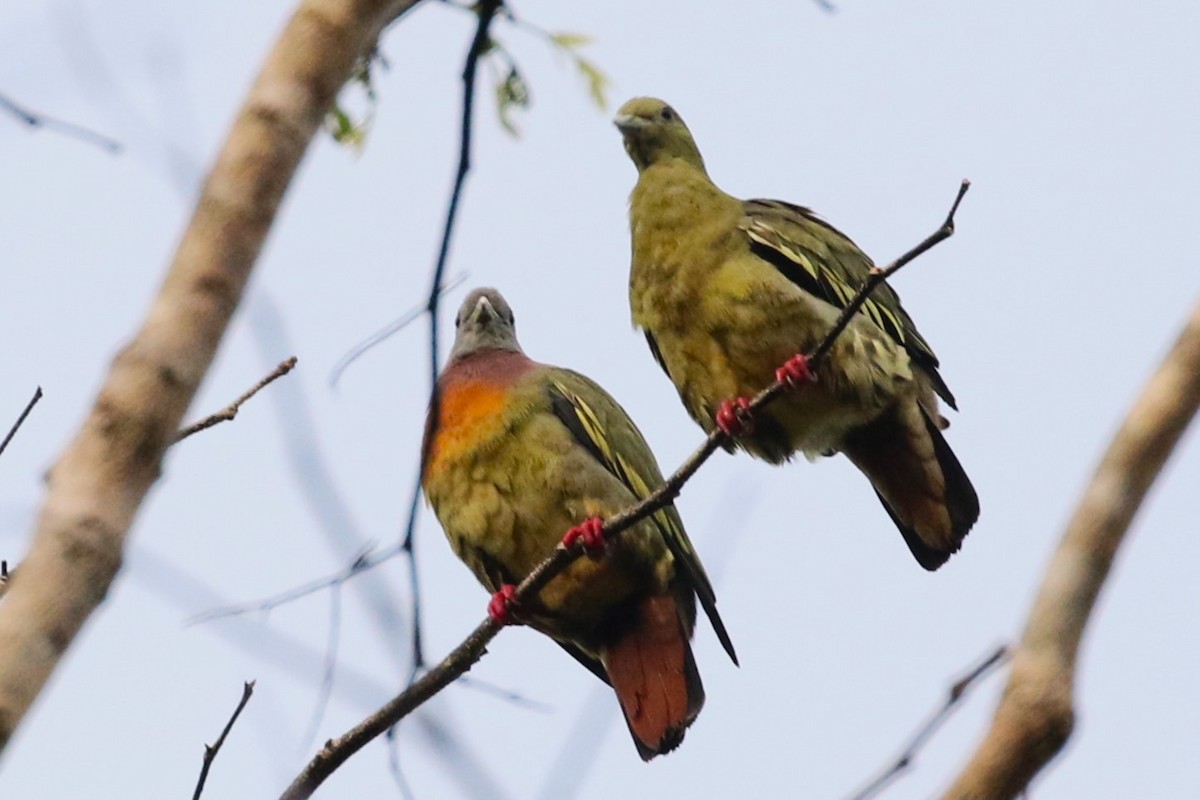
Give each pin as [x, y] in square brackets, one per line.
[570, 41]
[598, 82]
[341, 124]
[511, 93]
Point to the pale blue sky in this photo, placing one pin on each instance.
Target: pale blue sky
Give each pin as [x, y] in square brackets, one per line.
[1070, 274]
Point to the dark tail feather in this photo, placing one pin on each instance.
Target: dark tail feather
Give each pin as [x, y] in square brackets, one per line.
[922, 486]
[652, 670]
[961, 500]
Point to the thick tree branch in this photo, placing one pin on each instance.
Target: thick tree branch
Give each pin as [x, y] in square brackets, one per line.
[99, 483]
[462, 658]
[1036, 712]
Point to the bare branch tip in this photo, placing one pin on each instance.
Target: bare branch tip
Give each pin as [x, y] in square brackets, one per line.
[231, 411]
[37, 395]
[211, 750]
[962, 192]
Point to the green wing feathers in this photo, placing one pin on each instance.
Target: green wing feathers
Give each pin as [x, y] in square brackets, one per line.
[824, 262]
[606, 431]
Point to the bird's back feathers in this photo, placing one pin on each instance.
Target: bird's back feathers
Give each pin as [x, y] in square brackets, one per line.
[824, 262]
[633, 465]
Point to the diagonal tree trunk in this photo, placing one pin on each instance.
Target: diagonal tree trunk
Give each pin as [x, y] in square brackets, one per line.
[100, 481]
[1036, 713]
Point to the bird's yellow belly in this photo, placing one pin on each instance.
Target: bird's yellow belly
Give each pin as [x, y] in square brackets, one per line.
[491, 522]
[743, 327]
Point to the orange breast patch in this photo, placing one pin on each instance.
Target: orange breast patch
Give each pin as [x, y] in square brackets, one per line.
[471, 413]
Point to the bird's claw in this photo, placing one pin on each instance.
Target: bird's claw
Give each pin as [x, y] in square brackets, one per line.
[734, 418]
[500, 606]
[591, 532]
[795, 372]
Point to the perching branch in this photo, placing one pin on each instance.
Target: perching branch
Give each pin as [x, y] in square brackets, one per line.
[958, 690]
[463, 657]
[211, 750]
[1036, 715]
[37, 395]
[230, 411]
[878, 276]
[36, 121]
[97, 486]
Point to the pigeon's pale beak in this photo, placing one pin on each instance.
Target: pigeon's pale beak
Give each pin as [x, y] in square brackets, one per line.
[485, 311]
[628, 123]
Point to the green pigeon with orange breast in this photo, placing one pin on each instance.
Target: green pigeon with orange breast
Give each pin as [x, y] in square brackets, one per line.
[521, 454]
[730, 293]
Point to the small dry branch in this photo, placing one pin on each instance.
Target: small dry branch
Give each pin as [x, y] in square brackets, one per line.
[230, 411]
[958, 690]
[37, 395]
[211, 750]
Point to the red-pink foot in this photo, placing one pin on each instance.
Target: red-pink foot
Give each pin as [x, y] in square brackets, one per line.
[733, 417]
[795, 372]
[591, 531]
[500, 606]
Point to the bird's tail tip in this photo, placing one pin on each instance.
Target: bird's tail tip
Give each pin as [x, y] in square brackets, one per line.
[653, 671]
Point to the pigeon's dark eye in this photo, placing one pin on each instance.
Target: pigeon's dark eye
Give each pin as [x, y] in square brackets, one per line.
[667, 113]
[458, 322]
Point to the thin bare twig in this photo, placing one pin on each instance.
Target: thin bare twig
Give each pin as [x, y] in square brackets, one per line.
[464, 656]
[37, 395]
[36, 121]
[1036, 713]
[878, 276]
[360, 563]
[958, 690]
[211, 750]
[395, 326]
[230, 411]
[394, 768]
[327, 675]
[479, 44]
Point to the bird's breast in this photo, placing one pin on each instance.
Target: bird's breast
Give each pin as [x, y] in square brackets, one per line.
[681, 232]
[471, 417]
